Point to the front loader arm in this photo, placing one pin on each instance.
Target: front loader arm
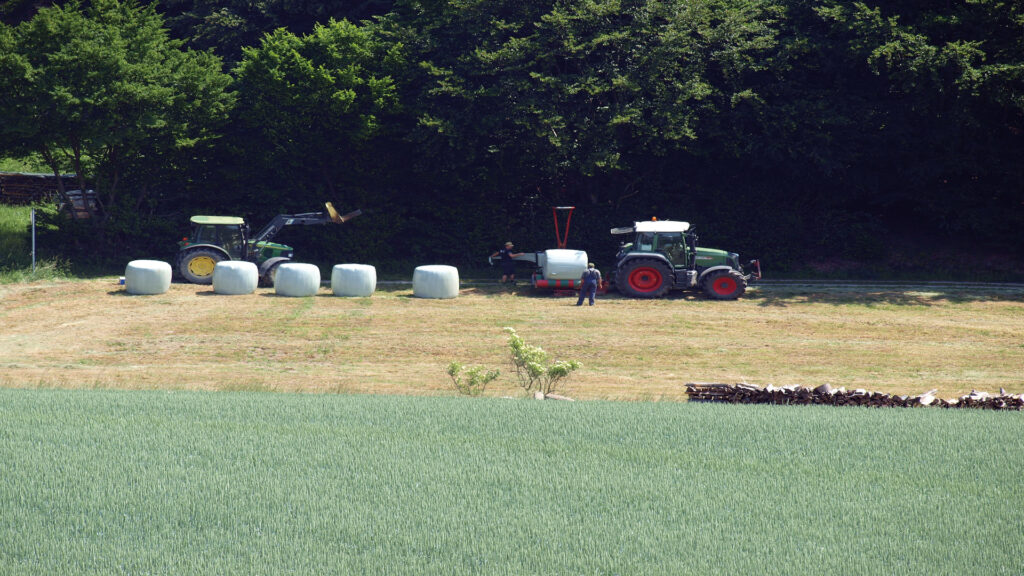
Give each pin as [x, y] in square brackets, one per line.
[308, 219]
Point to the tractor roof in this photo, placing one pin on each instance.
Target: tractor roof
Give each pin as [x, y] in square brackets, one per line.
[654, 226]
[221, 220]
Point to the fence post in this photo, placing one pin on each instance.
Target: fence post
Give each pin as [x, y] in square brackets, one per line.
[33, 212]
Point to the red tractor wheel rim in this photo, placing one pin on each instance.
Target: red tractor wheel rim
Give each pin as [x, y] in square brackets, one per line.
[724, 285]
[645, 279]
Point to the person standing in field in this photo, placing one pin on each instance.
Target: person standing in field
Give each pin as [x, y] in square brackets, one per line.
[589, 281]
[508, 266]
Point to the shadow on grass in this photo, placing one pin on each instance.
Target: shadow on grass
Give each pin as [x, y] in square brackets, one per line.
[875, 295]
[868, 295]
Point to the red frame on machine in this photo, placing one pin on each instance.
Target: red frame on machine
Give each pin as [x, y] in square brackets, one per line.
[562, 240]
[565, 287]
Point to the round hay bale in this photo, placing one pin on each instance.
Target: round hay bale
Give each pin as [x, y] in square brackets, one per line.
[234, 277]
[435, 281]
[353, 280]
[147, 277]
[298, 280]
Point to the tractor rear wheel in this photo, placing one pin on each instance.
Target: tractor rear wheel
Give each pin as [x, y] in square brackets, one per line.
[725, 285]
[644, 278]
[197, 265]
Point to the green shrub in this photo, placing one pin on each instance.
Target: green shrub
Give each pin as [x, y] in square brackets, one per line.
[532, 367]
[51, 269]
[473, 381]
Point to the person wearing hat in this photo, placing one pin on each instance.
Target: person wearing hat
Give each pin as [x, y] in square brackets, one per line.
[589, 281]
[508, 266]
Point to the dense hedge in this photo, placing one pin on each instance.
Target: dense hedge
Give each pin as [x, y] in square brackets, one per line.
[796, 131]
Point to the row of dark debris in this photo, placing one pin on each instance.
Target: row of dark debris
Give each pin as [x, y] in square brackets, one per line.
[825, 394]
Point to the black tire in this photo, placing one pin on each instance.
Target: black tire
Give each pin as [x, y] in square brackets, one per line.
[267, 280]
[196, 266]
[643, 278]
[724, 285]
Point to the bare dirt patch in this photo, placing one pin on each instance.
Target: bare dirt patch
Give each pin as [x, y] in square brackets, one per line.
[88, 334]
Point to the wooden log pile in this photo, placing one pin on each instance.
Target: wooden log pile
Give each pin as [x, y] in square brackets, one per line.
[825, 394]
[22, 188]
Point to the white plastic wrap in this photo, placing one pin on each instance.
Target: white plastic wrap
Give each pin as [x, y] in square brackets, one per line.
[297, 280]
[560, 264]
[234, 277]
[147, 277]
[435, 281]
[353, 280]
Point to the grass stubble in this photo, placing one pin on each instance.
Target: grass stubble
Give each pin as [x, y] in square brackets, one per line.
[92, 334]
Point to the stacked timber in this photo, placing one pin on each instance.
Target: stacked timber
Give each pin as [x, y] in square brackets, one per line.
[825, 394]
[24, 188]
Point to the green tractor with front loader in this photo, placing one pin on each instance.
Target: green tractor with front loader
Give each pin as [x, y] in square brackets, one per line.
[664, 255]
[214, 239]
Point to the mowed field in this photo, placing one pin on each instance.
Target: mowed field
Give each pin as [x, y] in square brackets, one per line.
[897, 339]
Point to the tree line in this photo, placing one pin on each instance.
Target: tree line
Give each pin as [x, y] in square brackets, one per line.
[792, 130]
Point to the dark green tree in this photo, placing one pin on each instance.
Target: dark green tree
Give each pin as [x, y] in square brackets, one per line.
[563, 102]
[226, 27]
[103, 93]
[308, 104]
[311, 109]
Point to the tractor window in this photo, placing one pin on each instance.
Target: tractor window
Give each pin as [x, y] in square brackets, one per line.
[645, 242]
[674, 246]
[231, 240]
[205, 235]
[227, 237]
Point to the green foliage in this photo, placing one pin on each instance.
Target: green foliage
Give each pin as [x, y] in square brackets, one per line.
[534, 370]
[227, 26]
[473, 381]
[15, 240]
[102, 92]
[16, 247]
[31, 163]
[308, 483]
[47, 269]
[309, 103]
[787, 130]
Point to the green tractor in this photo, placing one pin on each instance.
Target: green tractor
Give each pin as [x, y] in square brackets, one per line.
[217, 238]
[664, 256]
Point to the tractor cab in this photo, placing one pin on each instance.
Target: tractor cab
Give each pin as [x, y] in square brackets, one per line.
[227, 232]
[667, 238]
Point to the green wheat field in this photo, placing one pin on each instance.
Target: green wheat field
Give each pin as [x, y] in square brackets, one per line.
[156, 482]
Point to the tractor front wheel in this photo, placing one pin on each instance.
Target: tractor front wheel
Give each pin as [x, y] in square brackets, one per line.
[725, 285]
[197, 266]
[267, 280]
[643, 278]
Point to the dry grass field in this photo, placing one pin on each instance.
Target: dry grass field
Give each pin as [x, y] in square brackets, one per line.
[91, 334]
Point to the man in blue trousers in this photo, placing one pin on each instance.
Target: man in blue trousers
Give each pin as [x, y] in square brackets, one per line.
[589, 281]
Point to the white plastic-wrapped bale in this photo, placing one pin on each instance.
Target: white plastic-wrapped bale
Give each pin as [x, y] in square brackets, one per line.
[298, 280]
[147, 277]
[353, 280]
[234, 277]
[435, 281]
[561, 264]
